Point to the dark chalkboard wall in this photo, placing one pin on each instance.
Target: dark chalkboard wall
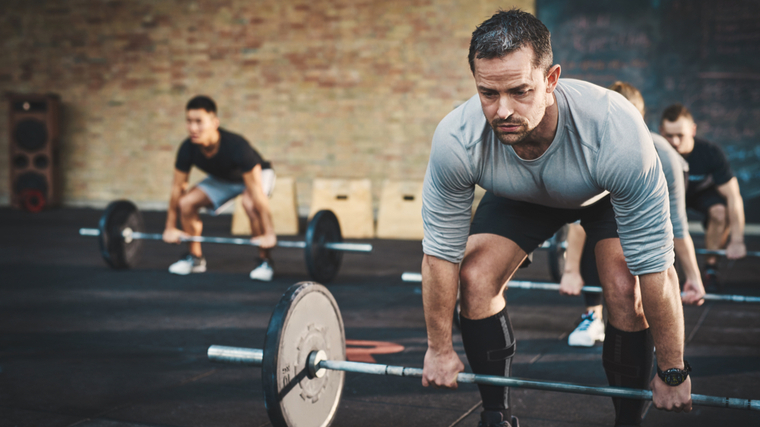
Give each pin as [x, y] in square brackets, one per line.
[703, 54]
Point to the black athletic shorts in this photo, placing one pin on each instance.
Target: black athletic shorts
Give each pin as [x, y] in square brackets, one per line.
[529, 224]
[703, 200]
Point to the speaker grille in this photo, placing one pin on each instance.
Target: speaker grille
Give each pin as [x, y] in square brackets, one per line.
[41, 161]
[30, 134]
[31, 180]
[21, 161]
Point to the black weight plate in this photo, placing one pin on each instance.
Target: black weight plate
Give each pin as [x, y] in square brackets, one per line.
[323, 264]
[306, 319]
[119, 215]
[556, 254]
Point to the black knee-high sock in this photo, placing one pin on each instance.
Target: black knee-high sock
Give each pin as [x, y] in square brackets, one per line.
[627, 359]
[490, 345]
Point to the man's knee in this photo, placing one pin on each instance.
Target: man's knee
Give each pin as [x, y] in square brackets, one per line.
[621, 291]
[478, 289]
[717, 214]
[187, 205]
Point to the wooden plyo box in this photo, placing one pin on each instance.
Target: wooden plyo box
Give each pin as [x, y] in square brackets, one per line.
[400, 215]
[282, 204]
[350, 200]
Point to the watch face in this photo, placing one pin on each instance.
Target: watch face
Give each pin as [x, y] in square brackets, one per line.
[674, 378]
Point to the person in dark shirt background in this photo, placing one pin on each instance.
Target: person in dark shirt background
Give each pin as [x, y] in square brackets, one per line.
[233, 168]
[712, 189]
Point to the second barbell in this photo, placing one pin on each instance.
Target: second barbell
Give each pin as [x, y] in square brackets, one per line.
[120, 234]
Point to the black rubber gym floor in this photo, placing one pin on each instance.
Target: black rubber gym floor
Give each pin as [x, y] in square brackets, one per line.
[84, 345]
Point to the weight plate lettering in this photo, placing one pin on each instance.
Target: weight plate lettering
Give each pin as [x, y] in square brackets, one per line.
[306, 319]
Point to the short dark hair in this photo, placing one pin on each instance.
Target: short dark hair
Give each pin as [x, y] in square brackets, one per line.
[201, 102]
[675, 112]
[508, 31]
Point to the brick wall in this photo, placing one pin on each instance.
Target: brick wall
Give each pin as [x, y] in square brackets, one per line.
[323, 88]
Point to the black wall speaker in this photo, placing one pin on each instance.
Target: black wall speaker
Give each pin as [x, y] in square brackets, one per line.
[34, 133]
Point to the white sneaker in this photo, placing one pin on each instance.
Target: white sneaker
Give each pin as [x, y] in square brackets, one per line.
[188, 264]
[590, 330]
[263, 272]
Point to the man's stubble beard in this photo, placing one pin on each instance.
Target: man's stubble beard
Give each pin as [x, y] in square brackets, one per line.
[515, 138]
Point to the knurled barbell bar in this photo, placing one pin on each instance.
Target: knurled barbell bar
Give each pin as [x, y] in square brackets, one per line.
[304, 360]
[520, 284]
[120, 233]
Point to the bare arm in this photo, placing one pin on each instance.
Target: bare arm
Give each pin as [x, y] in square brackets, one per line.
[572, 281]
[693, 288]
[440, 283]
[730, 191]
[179, 187]
[664, 312]
[252, 180]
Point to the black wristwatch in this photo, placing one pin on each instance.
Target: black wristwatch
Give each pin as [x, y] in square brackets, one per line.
[674, 377]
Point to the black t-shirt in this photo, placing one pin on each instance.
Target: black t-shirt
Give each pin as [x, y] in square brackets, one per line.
[708, 167]
[234, 158]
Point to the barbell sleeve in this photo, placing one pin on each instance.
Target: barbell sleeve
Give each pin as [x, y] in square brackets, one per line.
[89, 232]
[225, 354]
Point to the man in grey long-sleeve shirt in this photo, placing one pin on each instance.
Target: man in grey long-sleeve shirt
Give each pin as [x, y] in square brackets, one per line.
[548, 152]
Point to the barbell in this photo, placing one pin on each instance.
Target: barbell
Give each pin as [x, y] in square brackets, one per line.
[557, 247]
[120, 233]
[303, 364]
[722, 252]
[520, 284]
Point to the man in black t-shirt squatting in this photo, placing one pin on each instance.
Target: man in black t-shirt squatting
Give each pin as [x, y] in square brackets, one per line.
[712, 189]
[233, 168]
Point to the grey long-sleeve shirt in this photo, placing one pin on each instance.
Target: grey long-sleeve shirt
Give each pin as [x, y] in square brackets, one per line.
[602, 146]
[674, 166]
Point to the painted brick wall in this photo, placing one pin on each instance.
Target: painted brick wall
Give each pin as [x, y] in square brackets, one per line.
[323, 88]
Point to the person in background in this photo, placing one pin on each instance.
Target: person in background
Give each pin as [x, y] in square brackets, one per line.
[233, 168]
[712, 190]
[580, 259]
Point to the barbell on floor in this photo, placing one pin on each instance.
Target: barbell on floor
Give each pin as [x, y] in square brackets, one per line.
[722, 252]
[120, 233]
[521, 284]
[304, 360]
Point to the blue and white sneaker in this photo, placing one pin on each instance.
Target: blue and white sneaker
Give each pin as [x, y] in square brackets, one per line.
[589, 331]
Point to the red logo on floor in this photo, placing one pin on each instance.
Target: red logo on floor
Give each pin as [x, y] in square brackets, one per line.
[362, 351]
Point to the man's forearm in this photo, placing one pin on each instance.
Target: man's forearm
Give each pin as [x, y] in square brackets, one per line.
[440, 283]
[688, 257]
[576, 238]
[736, 218]
[171, 213]
[261, 207]
[662, 308]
